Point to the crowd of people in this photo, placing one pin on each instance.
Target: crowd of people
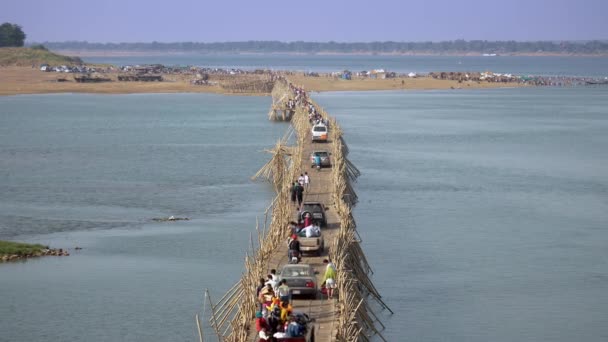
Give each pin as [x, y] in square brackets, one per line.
[299, 94]
[298, 188]
[291, 104]
[276, 318]
[314, 117]
[300, 98]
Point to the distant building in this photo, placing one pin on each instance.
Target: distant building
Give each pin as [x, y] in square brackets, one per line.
[377, 73]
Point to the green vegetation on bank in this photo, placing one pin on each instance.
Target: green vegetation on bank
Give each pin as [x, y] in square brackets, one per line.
[445, 47]
[18, 248]
[19, 56]
[11, 35]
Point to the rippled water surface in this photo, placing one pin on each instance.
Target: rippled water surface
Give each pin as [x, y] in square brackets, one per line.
[483, 213]
[519, 65]
[92, 171]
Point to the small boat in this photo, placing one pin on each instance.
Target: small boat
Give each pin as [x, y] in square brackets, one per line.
[597, 82]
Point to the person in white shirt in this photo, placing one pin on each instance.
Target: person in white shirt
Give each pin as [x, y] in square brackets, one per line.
[306, 181]
[273, 273]
[264, 336]
[311, 231]
[271, 282]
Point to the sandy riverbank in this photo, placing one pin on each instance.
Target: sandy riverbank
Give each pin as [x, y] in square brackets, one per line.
[365, 84]
[26, 80]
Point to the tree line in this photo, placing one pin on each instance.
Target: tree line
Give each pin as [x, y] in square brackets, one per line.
[444, 47]
[11, 35]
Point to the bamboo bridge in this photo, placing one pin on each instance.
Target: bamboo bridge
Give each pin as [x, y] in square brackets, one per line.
[354, 314]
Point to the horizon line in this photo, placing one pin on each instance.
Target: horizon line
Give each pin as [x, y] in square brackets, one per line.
[327, 42]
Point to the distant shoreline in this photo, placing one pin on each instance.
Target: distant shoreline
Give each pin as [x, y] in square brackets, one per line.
[458, 47]
[27, 71]
[29, 80]
[131, 53]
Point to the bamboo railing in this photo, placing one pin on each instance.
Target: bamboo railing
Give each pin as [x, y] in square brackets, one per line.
[232, 316]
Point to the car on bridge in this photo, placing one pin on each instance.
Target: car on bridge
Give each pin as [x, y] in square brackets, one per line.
[317, 211]
[301, 280]
[311, 240]
[324, 155]
[319, 133]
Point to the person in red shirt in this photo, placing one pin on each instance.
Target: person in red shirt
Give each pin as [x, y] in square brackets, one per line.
[260, 322]
[307, 219]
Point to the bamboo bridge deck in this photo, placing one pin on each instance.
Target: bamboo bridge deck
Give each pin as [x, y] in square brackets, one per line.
[349, 317]
[324, 311]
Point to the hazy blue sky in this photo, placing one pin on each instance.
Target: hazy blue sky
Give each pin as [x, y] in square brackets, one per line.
[310, 20]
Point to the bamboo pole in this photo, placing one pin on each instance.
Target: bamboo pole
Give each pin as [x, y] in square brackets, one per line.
[198, 326]
[220, 337]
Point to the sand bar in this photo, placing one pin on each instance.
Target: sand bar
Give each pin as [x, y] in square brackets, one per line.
[16, 80]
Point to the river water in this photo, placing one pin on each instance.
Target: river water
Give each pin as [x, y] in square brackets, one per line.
[483, 212]
[92, 171]
[518, 65]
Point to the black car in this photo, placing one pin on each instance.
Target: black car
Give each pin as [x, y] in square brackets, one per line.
[317, 210]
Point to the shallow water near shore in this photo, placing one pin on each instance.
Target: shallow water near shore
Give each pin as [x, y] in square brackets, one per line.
[483, 213]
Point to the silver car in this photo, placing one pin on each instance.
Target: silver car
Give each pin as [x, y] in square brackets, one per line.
[324, 155]
[301, 280]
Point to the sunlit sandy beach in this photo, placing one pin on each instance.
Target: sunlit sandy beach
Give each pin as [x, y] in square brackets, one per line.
[28, 80]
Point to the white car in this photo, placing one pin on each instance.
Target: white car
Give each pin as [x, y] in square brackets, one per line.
[319, 132]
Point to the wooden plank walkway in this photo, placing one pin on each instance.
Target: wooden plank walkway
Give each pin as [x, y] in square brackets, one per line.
[324, 311]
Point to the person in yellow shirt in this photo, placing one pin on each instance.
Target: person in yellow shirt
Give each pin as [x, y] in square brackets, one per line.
[274, 304]
[329, 279]
[286, 310]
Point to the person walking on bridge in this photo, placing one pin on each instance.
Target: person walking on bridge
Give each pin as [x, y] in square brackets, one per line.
[299, 189]
[265, 297]
[317, 162]
[293, 192]
[260, 322]
[273, 283]
[294, 249]
[284, 292]
[262, 284]
[329, 279]
[306, 181]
